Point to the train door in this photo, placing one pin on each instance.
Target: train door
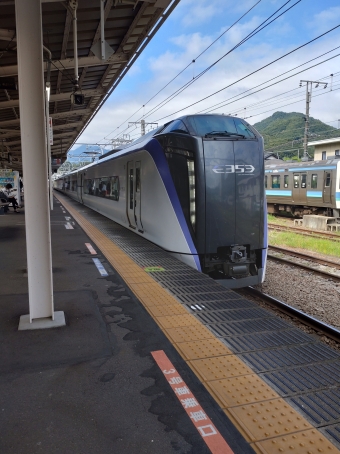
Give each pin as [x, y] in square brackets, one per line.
[138, 187]
[80, 187]
[327, 187]
[134, 195]
[300, 187]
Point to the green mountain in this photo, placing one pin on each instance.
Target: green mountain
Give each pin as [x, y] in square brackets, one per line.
[284, 131]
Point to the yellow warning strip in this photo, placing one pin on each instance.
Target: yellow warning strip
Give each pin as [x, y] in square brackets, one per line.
[266, 421]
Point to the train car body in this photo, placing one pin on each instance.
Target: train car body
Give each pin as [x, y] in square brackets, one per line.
[302, 188]
[194, 187]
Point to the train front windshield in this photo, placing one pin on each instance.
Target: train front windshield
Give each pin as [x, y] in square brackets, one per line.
[219, 125]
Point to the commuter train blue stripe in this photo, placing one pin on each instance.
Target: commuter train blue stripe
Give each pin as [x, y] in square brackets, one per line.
[303, 169]
[281, 192]
[314, 193]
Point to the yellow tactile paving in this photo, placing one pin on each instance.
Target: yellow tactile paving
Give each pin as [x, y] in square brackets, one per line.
[231, 392]
[306, 442]
[258, 412]
[205, 348]
[188, 333]
[220, 367]
[267, 419]
[173, 309]
[175, 321]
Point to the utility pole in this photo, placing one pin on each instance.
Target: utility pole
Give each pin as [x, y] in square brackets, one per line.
[142, 124]
[309, 86]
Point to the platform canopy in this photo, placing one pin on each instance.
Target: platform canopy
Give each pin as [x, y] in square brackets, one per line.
[110, 36]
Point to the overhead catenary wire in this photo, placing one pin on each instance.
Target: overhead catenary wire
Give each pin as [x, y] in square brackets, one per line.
[250, 35]
[222, 103]
[246, 38]
[253, 72]
[186, 67]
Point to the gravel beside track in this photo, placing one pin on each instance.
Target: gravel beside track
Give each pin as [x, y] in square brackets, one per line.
[303, 290]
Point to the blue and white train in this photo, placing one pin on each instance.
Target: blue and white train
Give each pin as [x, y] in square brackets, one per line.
[194, 187]
[302, 188]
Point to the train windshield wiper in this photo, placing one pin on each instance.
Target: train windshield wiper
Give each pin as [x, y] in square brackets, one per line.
[224, 134]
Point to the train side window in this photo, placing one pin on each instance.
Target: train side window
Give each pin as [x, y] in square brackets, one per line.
[337, 152]
[113, 189]
[276, 181]
[314, 181]
[89, 186]
[285, 181]
[327, 180]
[303, 180]
[266, 181]
[323, 156]
[131, 188]
[296, 181]
[137, 179]
[192, 197]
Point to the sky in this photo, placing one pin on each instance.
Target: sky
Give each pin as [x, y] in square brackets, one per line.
[191, 28]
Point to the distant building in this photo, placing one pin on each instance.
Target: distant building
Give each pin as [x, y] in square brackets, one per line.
[326, 149]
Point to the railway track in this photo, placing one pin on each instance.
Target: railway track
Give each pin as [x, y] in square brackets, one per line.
[300, 230]
[301, 256]
[302, 317]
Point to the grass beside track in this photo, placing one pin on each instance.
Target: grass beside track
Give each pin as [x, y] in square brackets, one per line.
[294, 240]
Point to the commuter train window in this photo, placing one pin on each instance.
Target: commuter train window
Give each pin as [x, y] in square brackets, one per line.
[327, 180]
[303, 180]
[266, 181]
[276, 181]
[337, 152]
[286, 181]
[296, 181]
[314, 181]
[176, 126]
[323, 157]
[113, 188]
[242, 128]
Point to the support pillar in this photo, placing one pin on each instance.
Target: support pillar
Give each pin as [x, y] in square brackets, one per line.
[35, 169]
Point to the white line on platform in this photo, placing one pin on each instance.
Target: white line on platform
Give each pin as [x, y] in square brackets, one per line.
[100, 267]
[68, 226]
[90, 248]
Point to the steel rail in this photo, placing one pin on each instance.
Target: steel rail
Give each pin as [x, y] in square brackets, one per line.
[299, 230]
[303, 256]
[306, 267]
[324, 328]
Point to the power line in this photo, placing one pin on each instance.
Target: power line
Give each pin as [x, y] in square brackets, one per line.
[249, 36]
[211, 44]
[254, 72]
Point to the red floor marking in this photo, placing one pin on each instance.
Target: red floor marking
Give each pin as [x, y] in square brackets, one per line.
[214, 440]
[90, 248]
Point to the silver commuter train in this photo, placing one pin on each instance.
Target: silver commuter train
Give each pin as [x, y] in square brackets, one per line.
[194, 187]
[301, 188]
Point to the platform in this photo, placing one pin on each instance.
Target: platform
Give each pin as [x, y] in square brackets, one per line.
[95, 386]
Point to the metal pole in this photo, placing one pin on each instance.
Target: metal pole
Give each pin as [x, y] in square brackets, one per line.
[305, 140]
[74, 6]
[34, 159]
[102, 29]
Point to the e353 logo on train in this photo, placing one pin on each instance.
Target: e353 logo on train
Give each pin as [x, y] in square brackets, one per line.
[238, 168]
